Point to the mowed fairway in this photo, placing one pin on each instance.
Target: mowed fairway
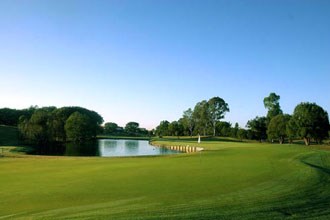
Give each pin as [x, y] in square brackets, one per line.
[226, 181]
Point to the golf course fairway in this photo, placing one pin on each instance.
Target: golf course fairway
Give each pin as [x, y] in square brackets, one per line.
[228, 180]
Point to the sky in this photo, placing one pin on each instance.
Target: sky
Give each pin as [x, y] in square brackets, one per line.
[150, 60]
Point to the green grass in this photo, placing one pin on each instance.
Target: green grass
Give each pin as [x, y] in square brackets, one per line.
[228, 180]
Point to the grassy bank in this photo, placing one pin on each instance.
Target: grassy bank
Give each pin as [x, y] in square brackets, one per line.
[227, 180]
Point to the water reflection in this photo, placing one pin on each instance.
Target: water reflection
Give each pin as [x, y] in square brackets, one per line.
[89, 148]
[54, 150]
[113, 148]
[131, 147]
[104, 148]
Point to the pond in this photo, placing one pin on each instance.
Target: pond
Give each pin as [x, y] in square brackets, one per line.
[105, 148]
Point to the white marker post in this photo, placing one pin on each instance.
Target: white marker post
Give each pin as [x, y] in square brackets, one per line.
[199, 139]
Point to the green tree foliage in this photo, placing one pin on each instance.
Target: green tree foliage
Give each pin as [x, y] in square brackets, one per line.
[110, 128]
[175, 128]
[11, 117]
[234, 131]
[201, 116]
[277, 127]
[217, 108]
[143, 132]
[223, 128]
[188, 121]
[37, 128]
[291, 130]
[79, 127]
[62, 114]
[47, 124]
[132, 128]
[258, 128]
[162, 128]
[203, 119]
[310, 121]
[272, 103]
[242, 134]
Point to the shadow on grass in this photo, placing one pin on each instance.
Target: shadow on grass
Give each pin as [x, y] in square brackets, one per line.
[320, 168]
[314, 200]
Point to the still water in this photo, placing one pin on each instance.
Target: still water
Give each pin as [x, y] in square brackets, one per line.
[105, 148]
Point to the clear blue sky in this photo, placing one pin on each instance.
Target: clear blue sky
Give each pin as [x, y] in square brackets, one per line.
[147, 61]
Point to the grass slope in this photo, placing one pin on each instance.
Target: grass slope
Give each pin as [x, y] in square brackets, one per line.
[226, 181]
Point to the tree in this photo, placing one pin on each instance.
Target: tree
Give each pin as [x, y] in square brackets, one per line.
[43, 126]
[143, 132]
[291, 130]
[11, 117]
[217, 108]
[79, 127]
[223, 128]
[188, 121]
[241, 134]
[258, 127]
[132, 128]
[277, 127]
[61, 115]
[234, 131]
[201, 116]
[110, 128]
[310, 121]
[162, 128]
[272, 104]
[175, 128]
[37, 127]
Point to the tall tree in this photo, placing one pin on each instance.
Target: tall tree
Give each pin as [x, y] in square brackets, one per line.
[310, 121]
[272, 103]
[277, 127]
[188, 121]
[202, 116]
[217, 108]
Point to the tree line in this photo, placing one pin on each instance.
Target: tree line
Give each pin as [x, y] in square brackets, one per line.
[131, 129]
[43, 126]
[203, 119]
[46, 125]
[10, 116]
[308, 122]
